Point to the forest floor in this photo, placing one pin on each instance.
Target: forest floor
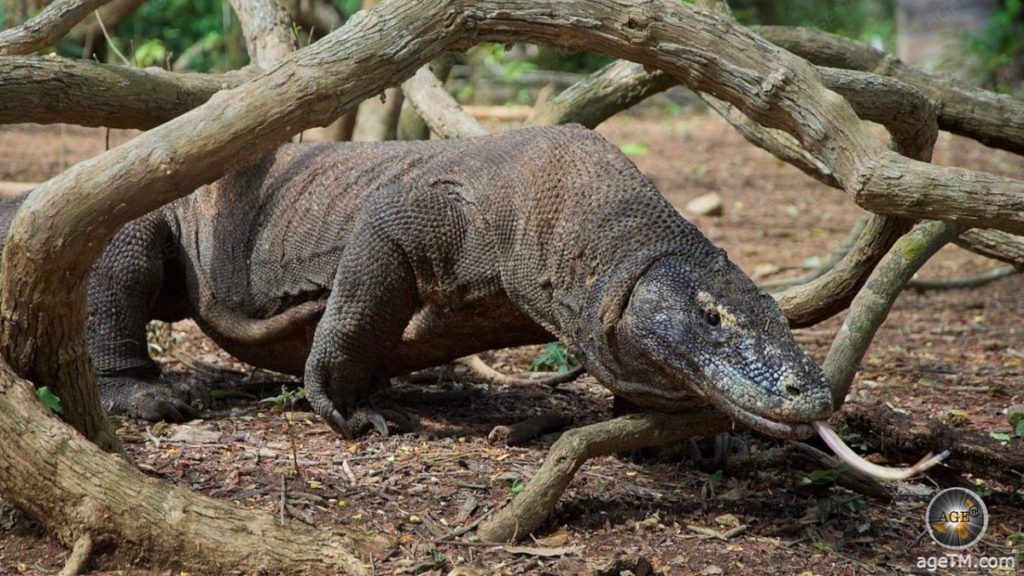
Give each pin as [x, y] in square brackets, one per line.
[955, 355]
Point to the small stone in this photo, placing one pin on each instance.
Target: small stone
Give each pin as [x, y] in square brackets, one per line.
[1015, 414]
[706, 205]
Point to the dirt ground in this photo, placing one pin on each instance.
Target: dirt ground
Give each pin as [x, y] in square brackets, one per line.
[953, 354]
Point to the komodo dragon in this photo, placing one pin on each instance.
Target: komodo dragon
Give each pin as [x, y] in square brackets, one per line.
[351, 263]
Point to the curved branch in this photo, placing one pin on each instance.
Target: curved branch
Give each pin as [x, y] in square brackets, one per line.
[837, 255]
[445, 117]
[993, 119]
[52, 90]
[830, 293]
[911, 123]
[602, 94]
[47, 27]
[873, 302]
[532, 506]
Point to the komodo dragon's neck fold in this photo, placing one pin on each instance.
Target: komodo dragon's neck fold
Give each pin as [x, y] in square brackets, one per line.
[590, 328]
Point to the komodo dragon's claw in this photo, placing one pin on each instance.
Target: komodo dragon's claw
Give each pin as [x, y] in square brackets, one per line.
[365, 417]
[149, 399]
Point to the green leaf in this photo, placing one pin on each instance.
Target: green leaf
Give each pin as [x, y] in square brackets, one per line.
[49, 399]
[554, 358]
[1000, 436]
[1018, 429]
[634, 148]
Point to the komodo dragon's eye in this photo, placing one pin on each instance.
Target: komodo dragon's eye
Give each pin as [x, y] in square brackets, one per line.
[712, 318]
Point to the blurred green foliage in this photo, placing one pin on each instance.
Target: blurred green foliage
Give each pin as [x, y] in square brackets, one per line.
[869, 21]
[177, 26]
[999, 48]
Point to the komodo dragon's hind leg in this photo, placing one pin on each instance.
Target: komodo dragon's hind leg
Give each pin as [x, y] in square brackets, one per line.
[374, 295]
[124, 290]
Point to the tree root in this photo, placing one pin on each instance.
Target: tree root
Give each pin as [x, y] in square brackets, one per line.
[522, 432]
[899, 434]
[78, 561]
[534, 504]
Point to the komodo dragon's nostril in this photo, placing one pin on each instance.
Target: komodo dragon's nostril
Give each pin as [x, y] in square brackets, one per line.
[792, 389]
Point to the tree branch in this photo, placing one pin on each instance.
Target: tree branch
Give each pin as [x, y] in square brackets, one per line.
[993, 119]
[602, 94]
[66, 222]
[54, 90]
[47, 27]
[828, 294]
[873, 302]
[1008, 248]
[204, 535]
[445, 117]
[532, 506]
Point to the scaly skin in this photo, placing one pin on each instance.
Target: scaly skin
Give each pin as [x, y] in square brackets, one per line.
[351, 263]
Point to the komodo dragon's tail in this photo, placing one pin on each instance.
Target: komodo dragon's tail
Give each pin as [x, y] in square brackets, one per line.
[252, 331]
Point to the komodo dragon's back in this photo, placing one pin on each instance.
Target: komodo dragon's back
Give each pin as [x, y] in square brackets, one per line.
[352, 262]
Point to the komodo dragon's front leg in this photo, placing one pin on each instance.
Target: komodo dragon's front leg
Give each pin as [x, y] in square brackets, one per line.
[126, 290]
[373, 297]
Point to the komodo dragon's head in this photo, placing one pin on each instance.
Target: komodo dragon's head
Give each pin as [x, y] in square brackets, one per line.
[704, 327]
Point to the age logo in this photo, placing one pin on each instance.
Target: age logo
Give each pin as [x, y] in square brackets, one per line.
[956, 518]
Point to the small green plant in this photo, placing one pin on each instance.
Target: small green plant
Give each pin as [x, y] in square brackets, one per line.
[554, 358]
[823, 477]
[286, 399]
[49, 399]
[516, 487]
[283, 401]
[438, 558]
[850, 505]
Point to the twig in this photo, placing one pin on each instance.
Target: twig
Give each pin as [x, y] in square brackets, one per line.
[960, 282]
[284, 502]
[110, 43]
[522, 432]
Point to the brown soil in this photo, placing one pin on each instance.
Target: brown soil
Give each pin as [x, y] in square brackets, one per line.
[955, 354]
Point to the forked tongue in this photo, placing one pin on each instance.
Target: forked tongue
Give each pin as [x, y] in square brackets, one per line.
[846, 454]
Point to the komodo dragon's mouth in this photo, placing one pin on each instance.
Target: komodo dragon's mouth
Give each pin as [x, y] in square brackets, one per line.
[765, 425]
[804, 430]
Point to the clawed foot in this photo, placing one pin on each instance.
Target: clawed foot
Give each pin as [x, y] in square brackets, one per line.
[367, 416]
[723, 445]
[152, 398]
